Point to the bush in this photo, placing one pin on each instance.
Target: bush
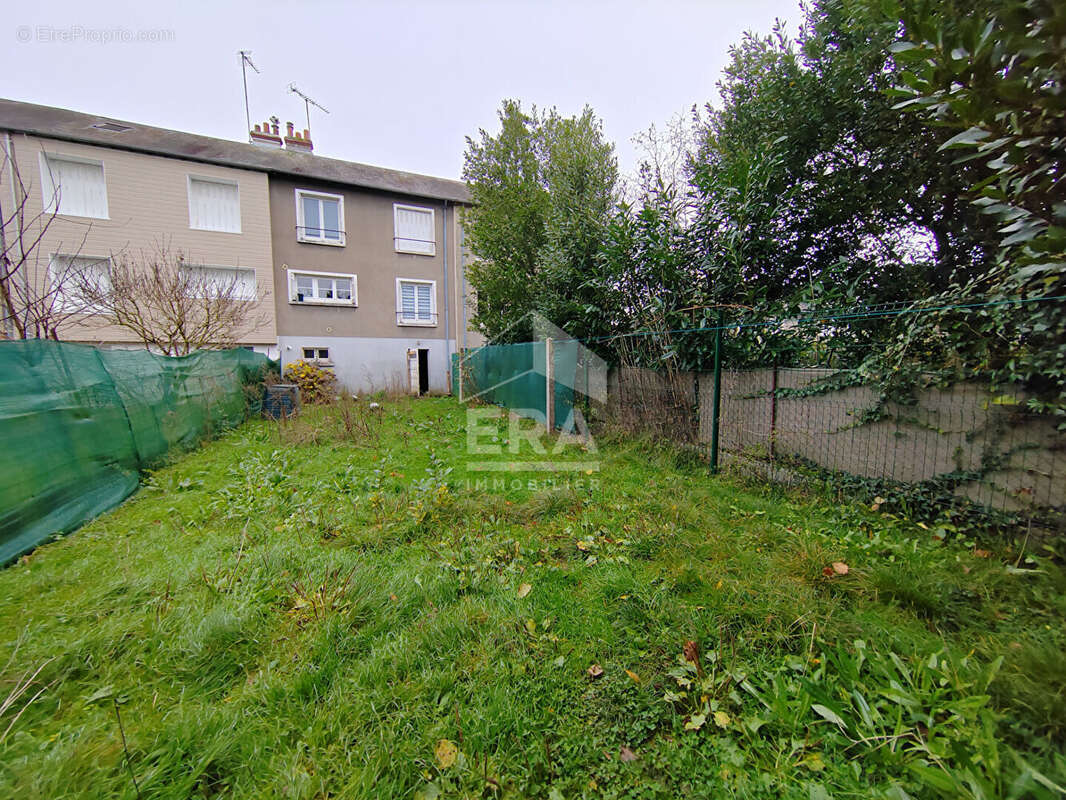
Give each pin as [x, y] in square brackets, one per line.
[317, 385]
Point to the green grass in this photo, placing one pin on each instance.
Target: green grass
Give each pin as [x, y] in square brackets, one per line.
[308, 614]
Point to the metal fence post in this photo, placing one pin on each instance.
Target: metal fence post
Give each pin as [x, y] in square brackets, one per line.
[459, 369]
[549, 384]
[716, 408]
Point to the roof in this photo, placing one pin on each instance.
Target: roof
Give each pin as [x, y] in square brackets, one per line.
[74, 126]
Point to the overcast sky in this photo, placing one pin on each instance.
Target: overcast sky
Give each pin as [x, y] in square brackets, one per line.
[405, 82]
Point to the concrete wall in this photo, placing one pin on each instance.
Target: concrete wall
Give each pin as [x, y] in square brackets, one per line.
[947, 430]
[366, 364]
[148, 204]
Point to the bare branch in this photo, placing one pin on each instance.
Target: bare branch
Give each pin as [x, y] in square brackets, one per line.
[174, 305]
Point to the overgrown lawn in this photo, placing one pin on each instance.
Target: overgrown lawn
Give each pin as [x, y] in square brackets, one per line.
[333, 608]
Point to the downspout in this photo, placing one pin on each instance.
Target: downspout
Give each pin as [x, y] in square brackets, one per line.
[447, 321]
[462, 273]
[9, 149]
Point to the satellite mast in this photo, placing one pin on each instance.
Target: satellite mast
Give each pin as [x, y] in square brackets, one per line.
[308, 102]
[246, 59]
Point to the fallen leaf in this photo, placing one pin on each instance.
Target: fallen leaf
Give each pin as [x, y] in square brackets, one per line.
[981, 553]
[827, 571]
[595, 671]
[428, 792]
[393, 598]
[840, 568]
[633, 675]
[695, 722]
[718, 585]
[721, 719]
[625, 754]
[582, 546]
[446, 753]
[691, 651]
[523, 590]
[531, 627]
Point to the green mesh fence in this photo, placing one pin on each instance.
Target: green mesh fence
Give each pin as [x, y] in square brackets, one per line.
[78, 425]
[513, 376]
[509, 375]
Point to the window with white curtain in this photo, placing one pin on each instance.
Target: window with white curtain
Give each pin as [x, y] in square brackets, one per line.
[72, 278]
[319, 217]
[324, 288]
[415, 231]
[73, 186]
[214, 205]
[416, 302]
[237, 283]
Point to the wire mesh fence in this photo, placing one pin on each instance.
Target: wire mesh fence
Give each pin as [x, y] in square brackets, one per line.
[802, 407]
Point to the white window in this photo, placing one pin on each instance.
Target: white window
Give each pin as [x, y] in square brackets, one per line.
[214, 205]
[324, 288]
[416, 302]
[73, 186]
[319, 218]
[316, 353]
[415, 231]
[75, 279]
[237, 283]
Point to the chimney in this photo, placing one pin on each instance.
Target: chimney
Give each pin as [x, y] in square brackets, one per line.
[264, 136]
[294, 141]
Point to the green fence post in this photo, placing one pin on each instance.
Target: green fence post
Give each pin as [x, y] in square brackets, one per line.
[717, 406]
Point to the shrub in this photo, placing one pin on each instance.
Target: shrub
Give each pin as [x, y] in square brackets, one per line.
[317, 385]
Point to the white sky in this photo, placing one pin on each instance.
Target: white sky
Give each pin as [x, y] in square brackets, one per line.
[404, 81]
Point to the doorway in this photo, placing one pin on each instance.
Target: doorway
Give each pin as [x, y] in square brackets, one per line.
[423, 371]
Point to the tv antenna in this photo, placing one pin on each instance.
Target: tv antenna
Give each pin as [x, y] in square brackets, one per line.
[246, 59]
[308, 102]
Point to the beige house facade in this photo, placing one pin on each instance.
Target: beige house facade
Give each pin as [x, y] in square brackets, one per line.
[111, 204]
[357, 268]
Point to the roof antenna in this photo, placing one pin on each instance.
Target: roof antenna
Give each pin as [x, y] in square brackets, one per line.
[308, 102]
[246, 58]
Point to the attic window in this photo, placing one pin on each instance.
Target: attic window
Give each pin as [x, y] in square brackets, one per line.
[112, 127]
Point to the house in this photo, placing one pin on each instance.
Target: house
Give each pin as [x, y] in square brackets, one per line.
[120, 190]
[359, 268]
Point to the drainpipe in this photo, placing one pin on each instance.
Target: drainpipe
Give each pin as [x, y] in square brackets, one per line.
[9, 149]
[462, 273]
[447, 321]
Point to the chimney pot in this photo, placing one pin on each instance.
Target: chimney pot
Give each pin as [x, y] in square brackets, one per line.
[257, 128]
[288, 129]
[307, 133]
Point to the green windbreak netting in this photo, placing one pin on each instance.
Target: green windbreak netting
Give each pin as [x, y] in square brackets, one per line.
[513, 376]
[509, 375]
[77, 425]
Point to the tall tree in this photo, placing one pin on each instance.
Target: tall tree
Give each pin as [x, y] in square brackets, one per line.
[543, 190]
[831, 191]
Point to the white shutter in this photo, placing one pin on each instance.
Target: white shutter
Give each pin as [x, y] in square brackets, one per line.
[425, 301]
[214, 206]
[414, 230]
[77, 185]
[215, 281]
[407, 300]
[68, 274]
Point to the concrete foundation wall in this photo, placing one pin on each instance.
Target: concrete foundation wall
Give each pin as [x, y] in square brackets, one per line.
[366, 364]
